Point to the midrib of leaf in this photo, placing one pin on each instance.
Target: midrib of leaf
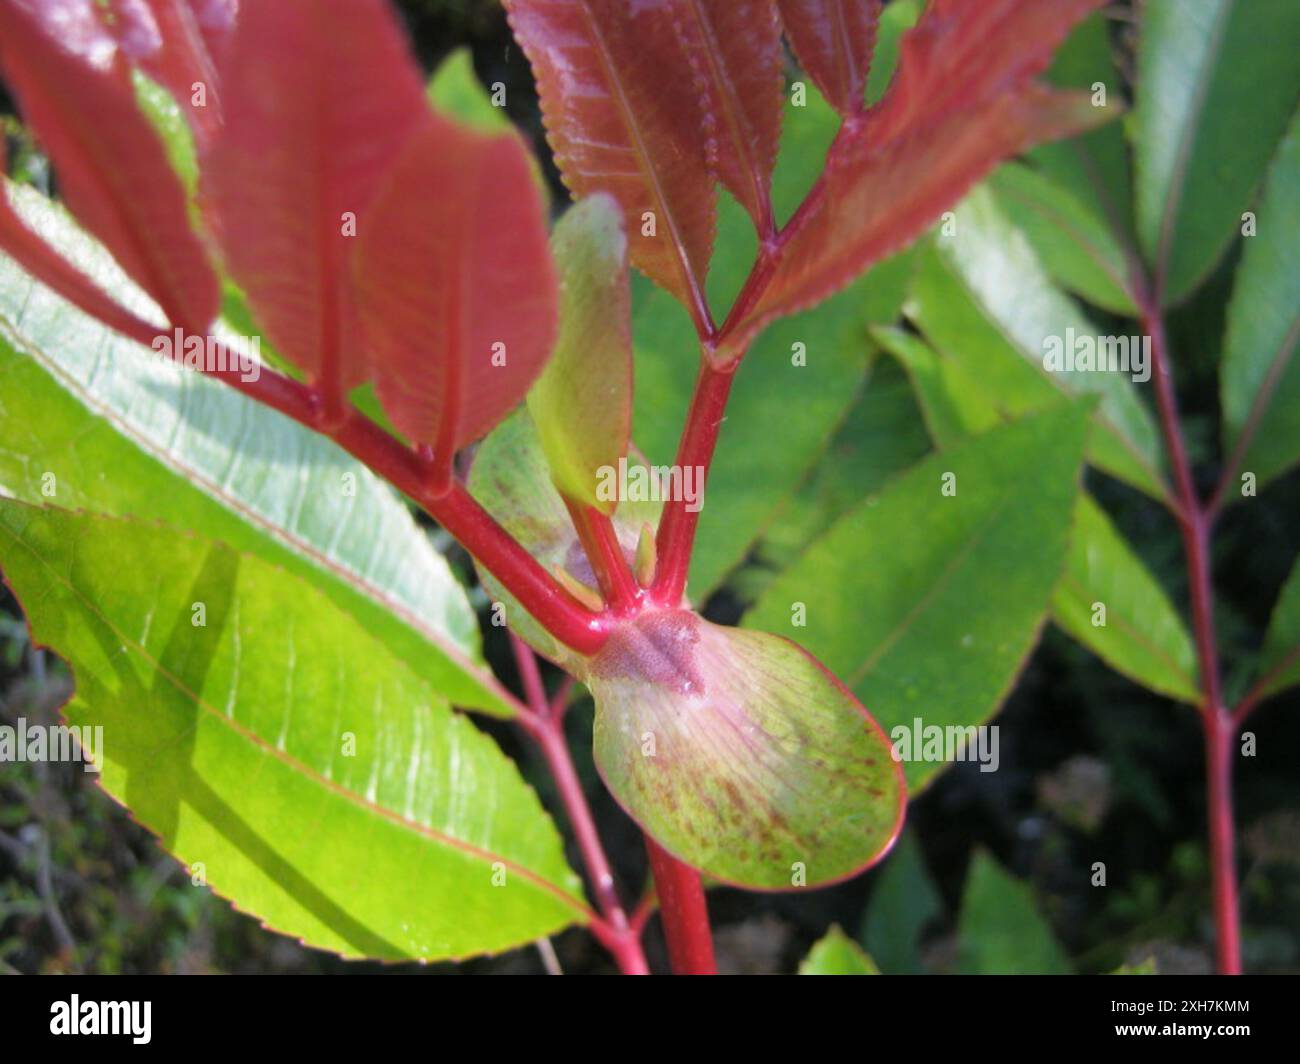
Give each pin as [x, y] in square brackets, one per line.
[732, 111]
[643, 158]
[1114, 211]
[452, 408]
[843, 50]
[1115, 431]
[1186, 138]
[945, 577]
[293, 763]
[172, 459]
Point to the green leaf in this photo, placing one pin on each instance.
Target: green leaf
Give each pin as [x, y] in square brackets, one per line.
[926, 603]
[122, 431]
[581, 405]
[1074, 245]
[740, 754]
[837, 954]
[1261, 375]
[903, 903]
[982, 299]
[1001, 931]
[756, 468]
[954, 405]
[880, 436]
[1094, 166]
[1141, 634]
[1280, 661]
[273, 744]
[456, 90]
[1217, 81]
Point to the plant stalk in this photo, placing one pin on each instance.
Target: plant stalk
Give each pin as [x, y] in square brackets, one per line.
[675, 540]
[683, 911]
[546, 728]
[1195, 525]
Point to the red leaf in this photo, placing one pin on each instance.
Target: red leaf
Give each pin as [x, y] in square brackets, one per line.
[216, 19]
[42, 262]
[834, 41]
[962, 101]
[621, 97]
[76, 92]
[455, 283]
[164, 38]
[738, 48]
[319, 100]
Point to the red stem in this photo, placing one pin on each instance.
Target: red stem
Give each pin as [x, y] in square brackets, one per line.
[1195, 524]
[410, 472]
[676, 537]
[683, 912]
[600, 542]
[546, 729]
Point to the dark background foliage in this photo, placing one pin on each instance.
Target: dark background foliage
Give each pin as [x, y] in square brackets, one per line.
[1093, 768]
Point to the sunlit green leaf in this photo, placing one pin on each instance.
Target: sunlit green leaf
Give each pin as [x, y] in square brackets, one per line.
[280, 751]
[93, 421]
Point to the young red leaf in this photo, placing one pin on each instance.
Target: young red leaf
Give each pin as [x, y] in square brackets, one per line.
[75, 89]
[319, 100]
[216, 21]
[164, 39]
[963, 100]
[737, 45]
[39, 259]
[833, 41]
[620, 97]
[456, 285]
[582, 402]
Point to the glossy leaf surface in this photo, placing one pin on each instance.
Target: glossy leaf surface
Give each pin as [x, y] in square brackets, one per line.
[735, 50]
[619, 100]
[833, 41]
